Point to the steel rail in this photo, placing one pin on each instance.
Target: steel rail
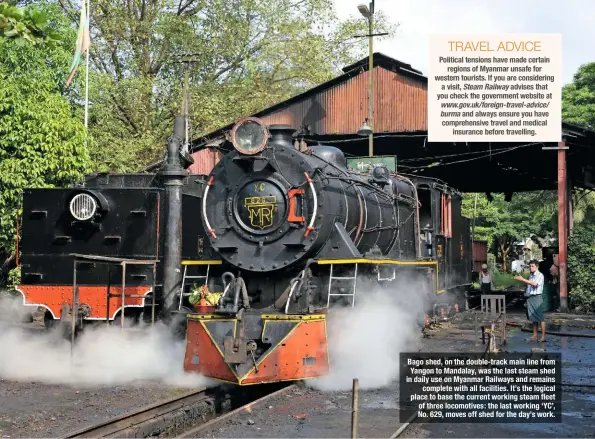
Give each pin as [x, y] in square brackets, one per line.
[404, 427]
[196, 431]
[134, 418]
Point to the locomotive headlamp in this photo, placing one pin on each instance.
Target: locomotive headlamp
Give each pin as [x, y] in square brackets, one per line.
[249, 136]
[83, 207]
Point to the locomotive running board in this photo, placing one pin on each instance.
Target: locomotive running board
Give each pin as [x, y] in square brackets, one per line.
[428, 263]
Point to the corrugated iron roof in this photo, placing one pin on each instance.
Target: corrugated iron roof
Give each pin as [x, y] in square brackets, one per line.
[380, 61]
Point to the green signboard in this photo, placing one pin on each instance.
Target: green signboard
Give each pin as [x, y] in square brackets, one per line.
[365, 164]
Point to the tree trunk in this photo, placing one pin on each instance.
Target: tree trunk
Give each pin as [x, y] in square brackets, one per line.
[504, 249]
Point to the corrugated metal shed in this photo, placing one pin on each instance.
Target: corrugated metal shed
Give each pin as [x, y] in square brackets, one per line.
[340, 106]
[204, 161]
[400, 105]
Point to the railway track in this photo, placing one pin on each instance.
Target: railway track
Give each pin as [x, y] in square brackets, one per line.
[178, 415]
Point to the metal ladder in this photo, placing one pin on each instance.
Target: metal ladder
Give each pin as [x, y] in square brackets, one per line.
[185, 277]
[333, 278]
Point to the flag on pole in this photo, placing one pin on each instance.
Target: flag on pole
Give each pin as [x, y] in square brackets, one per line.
[83, 41]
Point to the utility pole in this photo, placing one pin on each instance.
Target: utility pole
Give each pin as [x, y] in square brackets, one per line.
[186, 109]
[368, 12]
[371, 78]
[187, 59]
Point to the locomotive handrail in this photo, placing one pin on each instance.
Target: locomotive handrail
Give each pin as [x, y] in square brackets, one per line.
[315, 211]
[225, 290]
[204, 208]
[348, 178]
[417, 205]
[294, 283]
[374, 261]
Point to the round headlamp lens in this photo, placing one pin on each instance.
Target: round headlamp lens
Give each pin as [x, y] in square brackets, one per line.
[249, 136]
[83, 207]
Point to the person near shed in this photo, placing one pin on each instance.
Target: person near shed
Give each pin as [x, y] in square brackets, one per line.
[534, 299]
[486, 280]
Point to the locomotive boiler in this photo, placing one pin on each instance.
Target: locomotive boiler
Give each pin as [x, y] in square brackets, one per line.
[270, 209]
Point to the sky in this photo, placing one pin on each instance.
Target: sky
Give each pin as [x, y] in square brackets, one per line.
[418, 19]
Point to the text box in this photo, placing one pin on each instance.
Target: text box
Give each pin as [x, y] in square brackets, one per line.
[504, 387]
[495, 88]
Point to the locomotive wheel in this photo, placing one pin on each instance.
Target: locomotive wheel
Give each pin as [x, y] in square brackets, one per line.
[65, 328]
[131, 318]
[49, 322]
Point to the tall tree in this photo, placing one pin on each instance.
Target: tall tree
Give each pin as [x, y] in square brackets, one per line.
[27, 24]
[578, 98]
[41, 134]
[246, 55]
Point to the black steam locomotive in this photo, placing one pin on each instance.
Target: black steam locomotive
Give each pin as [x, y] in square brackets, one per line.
[253, 254]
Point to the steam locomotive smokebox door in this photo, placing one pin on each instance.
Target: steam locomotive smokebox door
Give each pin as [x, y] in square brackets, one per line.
[441, 258]
[260, 207]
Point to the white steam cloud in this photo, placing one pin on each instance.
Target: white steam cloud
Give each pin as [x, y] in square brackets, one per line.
[12, 309]
[365, 341]
[102, 356]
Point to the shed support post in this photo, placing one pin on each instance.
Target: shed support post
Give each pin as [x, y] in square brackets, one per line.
[562, 225]
[570, 208]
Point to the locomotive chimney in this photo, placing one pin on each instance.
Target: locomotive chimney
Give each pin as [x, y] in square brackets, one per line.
[172, 175]
[281, 135]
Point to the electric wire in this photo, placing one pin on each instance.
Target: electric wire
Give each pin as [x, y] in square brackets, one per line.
[473, 158]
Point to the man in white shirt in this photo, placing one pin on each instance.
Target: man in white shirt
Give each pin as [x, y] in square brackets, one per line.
[486, 281]
[534, 299]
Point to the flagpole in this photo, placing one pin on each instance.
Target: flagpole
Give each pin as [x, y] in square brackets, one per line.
[87, 75]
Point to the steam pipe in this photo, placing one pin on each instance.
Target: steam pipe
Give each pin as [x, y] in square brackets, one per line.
[245, 297]
[172, 175]
[226, 287]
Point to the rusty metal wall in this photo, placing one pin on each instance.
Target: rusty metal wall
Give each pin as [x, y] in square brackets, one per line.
[204, 161]
[480, 254]
[400, 104]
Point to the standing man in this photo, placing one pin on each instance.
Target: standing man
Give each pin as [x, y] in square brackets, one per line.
[534, 299]
[486, 280]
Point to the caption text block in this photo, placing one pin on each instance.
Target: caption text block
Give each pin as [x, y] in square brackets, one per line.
[523, 387]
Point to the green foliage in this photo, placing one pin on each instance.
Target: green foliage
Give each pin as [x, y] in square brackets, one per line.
[41, 134]
[578, 98]
[14, 278]
[25, 25]
[531, 214]
[485, 214]
[245, 56]
[583, 205]
[581, 270]
[504, 280]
